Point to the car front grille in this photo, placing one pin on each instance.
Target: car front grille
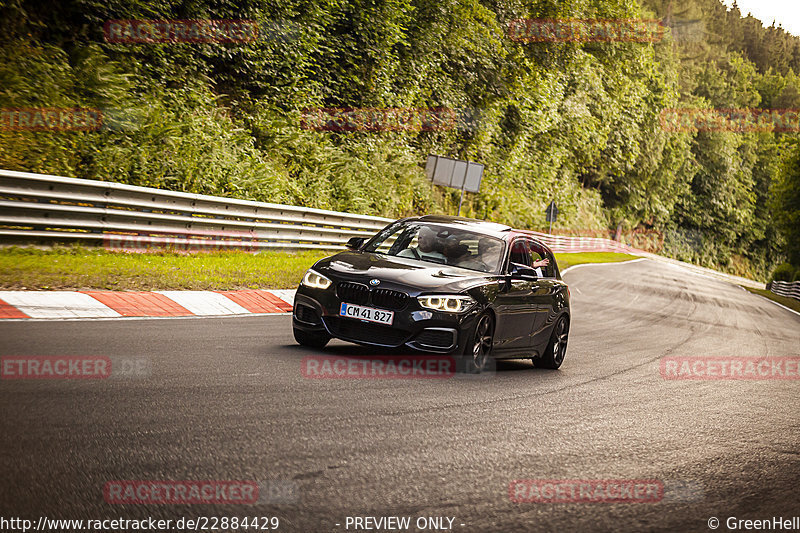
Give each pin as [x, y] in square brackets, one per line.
[389, 299]
[354, 293]
[357, 330]
[360, 294]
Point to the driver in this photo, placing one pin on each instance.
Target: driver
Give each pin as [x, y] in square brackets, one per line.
[426, 247]
[455, 252]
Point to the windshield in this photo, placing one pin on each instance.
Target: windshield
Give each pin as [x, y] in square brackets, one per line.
[433, 243]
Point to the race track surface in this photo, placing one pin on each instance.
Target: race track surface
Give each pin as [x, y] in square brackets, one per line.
[225, 399]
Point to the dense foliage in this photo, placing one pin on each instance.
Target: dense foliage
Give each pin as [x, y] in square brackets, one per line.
[576, 122]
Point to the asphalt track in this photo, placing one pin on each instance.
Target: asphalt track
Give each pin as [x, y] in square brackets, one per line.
[225, 399]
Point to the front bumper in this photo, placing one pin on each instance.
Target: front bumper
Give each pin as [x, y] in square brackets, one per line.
[421, 329]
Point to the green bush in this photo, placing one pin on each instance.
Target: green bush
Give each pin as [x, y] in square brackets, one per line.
[785, 272]
[583, 124]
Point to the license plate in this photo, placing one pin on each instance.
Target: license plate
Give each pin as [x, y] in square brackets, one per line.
[367, 313]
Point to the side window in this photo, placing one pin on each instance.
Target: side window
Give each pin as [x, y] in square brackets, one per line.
[537, 254]
[527, 252]
[520, 253]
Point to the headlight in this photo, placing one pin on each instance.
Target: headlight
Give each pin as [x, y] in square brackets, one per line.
[447, 303]
[315, 280]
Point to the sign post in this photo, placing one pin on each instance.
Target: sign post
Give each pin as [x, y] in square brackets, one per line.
[552, 214]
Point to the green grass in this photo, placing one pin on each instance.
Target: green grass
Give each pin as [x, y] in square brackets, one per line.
[84, 268]
[568, 260]
[791, 303]
[79, 268]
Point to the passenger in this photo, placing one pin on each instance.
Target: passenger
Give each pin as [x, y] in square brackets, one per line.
[485, 260]
[489, 253]
[455, 252]
[540, 266]
[426, 247]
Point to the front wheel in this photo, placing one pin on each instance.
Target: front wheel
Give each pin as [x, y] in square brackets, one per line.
[478, 353]
[312, 339]
[553, 355]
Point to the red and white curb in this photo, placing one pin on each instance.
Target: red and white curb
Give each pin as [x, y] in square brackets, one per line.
[117, 304]
[16, 305]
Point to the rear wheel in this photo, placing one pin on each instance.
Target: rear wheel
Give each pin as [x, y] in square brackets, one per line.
[312, 339]
[478, 353]
[556, 349]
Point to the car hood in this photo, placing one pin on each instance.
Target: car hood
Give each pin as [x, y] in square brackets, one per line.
[407, 274]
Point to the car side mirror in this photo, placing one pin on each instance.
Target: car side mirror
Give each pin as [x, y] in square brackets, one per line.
[354, 243]
[523, 272]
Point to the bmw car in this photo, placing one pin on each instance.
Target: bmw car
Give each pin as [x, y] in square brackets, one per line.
[442, 285]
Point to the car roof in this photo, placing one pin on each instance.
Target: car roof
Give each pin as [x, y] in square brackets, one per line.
[529, 234]
[482, 226]
[494, 229]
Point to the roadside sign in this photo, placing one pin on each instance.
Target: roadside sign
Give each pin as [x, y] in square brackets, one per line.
[552, 212]
[455, 173]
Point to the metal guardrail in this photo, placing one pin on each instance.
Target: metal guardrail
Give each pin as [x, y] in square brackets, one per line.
[790, 289]
[38, 207]
[48, 209]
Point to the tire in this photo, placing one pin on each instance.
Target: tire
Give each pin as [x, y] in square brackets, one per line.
[556, 349]
[312, 339]
[478, 352]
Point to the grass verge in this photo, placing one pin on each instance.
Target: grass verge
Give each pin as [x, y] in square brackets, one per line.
[79, 268]
[791, 303]
[567, 260]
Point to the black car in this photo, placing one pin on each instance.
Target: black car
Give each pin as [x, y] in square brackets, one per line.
[440, 284]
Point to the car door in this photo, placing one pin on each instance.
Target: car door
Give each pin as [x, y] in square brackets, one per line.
[515, 304]
[543, 293]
